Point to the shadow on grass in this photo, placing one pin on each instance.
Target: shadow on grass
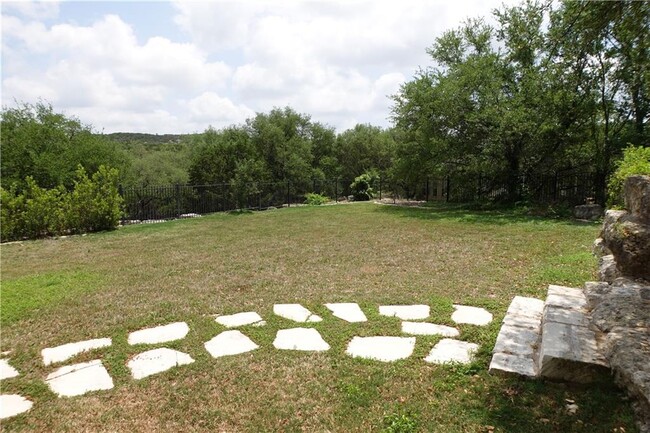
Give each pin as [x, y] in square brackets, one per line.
[499, 215]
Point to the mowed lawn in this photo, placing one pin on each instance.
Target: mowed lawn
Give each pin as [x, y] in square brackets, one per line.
[108, 284]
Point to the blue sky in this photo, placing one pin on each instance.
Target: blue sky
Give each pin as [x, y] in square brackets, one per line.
[178, 67]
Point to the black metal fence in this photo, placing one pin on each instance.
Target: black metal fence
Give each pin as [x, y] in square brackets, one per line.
[177, 201]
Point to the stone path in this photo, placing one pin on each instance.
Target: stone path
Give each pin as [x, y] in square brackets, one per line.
[78, 379]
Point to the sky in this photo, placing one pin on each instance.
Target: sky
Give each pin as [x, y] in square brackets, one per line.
[181, 66]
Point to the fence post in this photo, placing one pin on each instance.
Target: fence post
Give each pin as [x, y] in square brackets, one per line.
[288, 193]
[177, 191]
[336, 190]
[427, 197]
[448, 184]
[379, 188]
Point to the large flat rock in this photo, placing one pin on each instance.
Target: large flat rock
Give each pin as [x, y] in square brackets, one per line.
[307, 339]
[64, 352]
[405, 312]
[471, 315]
[159, 334]
[295, 312]
[6, 370]
[424, 328]
[380, 348]
[239, 319]
[513, 364]
[348, 311]
[156, 361]
[78, 379]
[448, 350]
[516, 340]
[13, 404]
[229, 343]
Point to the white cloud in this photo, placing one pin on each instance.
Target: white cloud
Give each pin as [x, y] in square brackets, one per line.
[210, 107]
[37, 10]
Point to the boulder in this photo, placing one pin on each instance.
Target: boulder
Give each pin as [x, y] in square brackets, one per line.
[589, 212]
[628, 238]
[637, 197]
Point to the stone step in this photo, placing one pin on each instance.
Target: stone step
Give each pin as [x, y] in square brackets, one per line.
[515, 351]
[569, 349]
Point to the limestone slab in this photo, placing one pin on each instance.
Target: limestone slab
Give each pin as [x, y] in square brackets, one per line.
[156, 361]
[528, 307]
[513, 364]
[566, 316]
[569, 302]
[295, 312]
[78, 379]
[239, 319]
[307, 339]
[229, 343]
[159, 334]
[554, 289]
[569, 352]
[66, 351]
[13, 404]
[423, 328]
[516, 340]
[350, 312]
[381, 348]
[532, 323]
[471, 315]
[449, 350]
[6, 370]
[405, 312]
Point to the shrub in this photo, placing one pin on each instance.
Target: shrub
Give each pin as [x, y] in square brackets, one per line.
[313, 199]
[362, 186]
[94, 204]
[636, 160]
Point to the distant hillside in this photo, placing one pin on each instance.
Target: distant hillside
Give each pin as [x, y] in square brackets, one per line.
[156, 139]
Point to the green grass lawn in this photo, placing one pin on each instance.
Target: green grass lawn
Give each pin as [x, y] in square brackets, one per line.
[108, 284]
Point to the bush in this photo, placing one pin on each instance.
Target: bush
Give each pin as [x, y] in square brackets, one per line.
[313, 199]
[636, 160]
[94, 204]
[362, 186]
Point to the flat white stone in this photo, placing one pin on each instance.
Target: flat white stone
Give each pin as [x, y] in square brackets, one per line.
[568, 316]
[66, 351]
[381, 348]
[13, 404]
[564, 301]
[300, 339]
[295, 312]
[448, 350]
[565, 291]
[159, 334]
[471, 315]
[239, 319]
[79, 379]
[516, 340]
[348, 311]
[405, 312]
[229, 343]
[522, 306]
[512, 364]
[156, 361]
[423, 328]
[6, 370]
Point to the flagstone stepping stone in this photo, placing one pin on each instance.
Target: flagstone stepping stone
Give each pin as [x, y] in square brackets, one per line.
[380, 348]
[405, 312]
[229, 343]
[6, 370]
[13, 404]
[78, 379]
[159, 334]
[448, 350]
[239, 319]
[156, 361]
[471, 315]
[350, 312]
[300, 339]
[64, 352]
[423, 328]
[295, 312]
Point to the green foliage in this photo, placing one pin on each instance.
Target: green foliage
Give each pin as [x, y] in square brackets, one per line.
[400, 422]
[47, 146]
[636, 160]
[94, 204]
[313, 199]
[362, 187]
